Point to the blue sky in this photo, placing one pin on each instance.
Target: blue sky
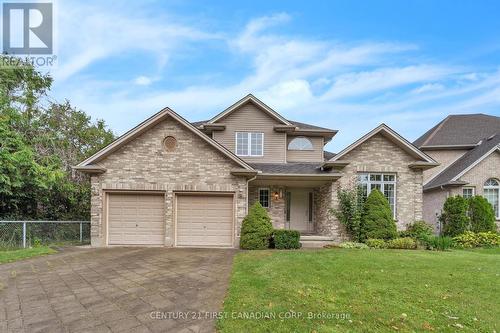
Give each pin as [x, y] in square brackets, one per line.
[347, 65]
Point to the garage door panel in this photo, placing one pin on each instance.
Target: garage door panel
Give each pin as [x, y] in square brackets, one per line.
[136, 219]
[204, 220]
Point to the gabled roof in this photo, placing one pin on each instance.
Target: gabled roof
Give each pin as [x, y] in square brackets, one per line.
[394, 137]
[456, 131]
[149, 123]
[257, 102]
[451, 175]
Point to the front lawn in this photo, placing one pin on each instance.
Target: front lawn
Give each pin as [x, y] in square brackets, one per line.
[351, 290]
[13, 255]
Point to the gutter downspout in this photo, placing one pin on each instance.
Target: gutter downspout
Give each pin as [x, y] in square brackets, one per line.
[248, 181]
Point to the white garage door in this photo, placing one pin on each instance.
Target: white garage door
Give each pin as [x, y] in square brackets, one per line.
[204, 220]
[136, 219]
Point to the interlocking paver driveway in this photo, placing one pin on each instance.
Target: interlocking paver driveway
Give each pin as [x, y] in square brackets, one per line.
[115, 290]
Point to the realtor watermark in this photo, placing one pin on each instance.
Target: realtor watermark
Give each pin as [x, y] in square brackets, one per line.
[248, 315]
[28, 33]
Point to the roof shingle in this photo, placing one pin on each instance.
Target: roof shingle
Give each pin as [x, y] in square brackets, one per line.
[456, 130]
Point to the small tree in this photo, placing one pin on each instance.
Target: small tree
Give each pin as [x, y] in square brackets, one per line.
[350, 210]
[454, 217]
[256, 229]
[482, 215]
[377, 219]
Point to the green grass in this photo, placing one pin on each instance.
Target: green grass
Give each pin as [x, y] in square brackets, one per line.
[14, 255]
[375, 291]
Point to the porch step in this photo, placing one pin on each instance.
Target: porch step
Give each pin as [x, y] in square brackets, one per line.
[315, 241]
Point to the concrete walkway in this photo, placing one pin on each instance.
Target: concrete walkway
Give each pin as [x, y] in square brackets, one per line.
[115, 290]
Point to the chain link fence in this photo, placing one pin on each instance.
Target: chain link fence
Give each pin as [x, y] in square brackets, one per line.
[22, 234]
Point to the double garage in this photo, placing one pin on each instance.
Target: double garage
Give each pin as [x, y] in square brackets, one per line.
[199, 219]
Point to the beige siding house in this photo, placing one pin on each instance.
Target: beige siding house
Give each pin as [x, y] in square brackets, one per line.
[468, 150]
[169, 182]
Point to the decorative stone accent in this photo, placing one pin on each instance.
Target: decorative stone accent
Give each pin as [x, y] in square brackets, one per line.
[143, 164]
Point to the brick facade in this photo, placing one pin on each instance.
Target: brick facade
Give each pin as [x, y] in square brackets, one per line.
[378, 154]
[144, 164]
[476, 177]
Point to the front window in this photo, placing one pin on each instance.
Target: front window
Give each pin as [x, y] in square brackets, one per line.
[264, 197]
[249, 144]
[468, 192]
[491, 193]
[385, 183]
[300, 143]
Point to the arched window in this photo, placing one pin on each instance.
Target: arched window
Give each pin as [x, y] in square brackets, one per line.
[492, 194]
[300, 143]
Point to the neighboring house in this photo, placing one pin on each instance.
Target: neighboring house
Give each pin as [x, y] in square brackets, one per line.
[169, 182]
[468, 150]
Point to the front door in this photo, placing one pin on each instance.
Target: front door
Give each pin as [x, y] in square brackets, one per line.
[300, 208]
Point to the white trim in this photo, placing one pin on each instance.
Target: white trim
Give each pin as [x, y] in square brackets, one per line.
[390, 132]
[475, 163]
[473, 188]
[152, 121]
[268, 196]
[255, 100]
[300, 137]
[249, 144]
[382, 185]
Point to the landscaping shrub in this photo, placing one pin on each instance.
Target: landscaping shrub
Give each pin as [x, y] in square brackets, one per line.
[454, 217]
[377, 221]
[350, 211]
[440, 243]
[375, 243]
[402, 243]
[419, 230]
[353, 245]
[471, 239]
[286, 239]
[256, 229]
[482, 215]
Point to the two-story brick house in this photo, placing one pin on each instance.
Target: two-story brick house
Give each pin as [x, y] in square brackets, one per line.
[169, 182]
[468, 150]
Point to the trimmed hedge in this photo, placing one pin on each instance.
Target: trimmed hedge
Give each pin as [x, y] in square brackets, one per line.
[377, 219]
[454, 217]
[402, 243]
[286, 239]
[256, 230]
[482, 215]
[470, 239]
[375, 243]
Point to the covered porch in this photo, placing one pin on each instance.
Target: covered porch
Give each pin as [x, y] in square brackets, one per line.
[294, 201]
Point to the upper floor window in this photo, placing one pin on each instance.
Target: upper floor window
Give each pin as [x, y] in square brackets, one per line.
[249, 144]
[492, 194]
[385, 183]
[300, 143]
[468, 192]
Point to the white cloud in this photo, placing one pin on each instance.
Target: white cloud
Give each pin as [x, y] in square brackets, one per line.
[143, 80]
[327, 82]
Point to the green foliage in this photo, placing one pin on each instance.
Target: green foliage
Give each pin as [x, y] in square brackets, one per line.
[377, 220]
[353, 245]
[350, 211]
[286, 239]
[418, 230]
[39, 142]
[440, 243]
[471, 239]
[454, 217]
[482, 215]
[402, 243]
[375, 243]
[256, 230]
